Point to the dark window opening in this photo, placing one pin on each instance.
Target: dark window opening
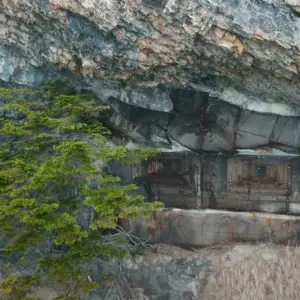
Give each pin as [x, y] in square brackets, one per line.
[261, 171]
[165, 166]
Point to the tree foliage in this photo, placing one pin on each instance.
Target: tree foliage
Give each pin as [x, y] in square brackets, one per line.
[52, 148]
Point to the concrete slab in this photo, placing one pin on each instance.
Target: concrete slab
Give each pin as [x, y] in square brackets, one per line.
[209, 227]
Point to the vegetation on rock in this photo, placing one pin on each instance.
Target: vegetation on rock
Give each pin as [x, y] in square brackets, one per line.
[58, 203]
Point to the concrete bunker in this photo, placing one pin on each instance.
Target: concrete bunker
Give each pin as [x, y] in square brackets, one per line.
[252, 180]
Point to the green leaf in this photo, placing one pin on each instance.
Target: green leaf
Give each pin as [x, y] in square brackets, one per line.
[57, 205]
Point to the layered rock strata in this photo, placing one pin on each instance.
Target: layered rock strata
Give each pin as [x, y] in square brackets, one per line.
[149, 56]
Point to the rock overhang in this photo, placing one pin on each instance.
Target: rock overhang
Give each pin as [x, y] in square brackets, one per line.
[187, 68]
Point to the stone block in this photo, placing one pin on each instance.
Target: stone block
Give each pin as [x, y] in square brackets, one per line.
[293, 2]
[238, 46]
[293, 68]
[258, 37]
[219, 32]
[230, 37]
[225, 44]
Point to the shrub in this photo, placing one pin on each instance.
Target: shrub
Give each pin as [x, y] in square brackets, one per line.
[50, 141]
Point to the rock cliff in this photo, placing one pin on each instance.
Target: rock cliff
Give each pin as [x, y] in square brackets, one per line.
[208, 75]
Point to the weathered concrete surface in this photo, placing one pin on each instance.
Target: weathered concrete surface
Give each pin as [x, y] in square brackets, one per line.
[159, 57]
[209, 227]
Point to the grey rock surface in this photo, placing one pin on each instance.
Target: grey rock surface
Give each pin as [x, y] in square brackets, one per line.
[159, 57]
[177, 275]
[163, 277]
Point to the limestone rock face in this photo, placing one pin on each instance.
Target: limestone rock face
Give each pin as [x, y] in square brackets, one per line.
[178, 275]
[156, 55]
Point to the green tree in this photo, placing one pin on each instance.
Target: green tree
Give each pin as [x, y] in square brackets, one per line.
[52, 149]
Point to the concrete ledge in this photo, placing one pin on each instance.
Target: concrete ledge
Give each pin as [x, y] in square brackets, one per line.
[208, 227]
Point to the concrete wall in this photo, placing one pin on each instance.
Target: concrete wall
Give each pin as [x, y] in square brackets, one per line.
[208, 227]
[191, 226]
[265, 199]
[215, 172]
